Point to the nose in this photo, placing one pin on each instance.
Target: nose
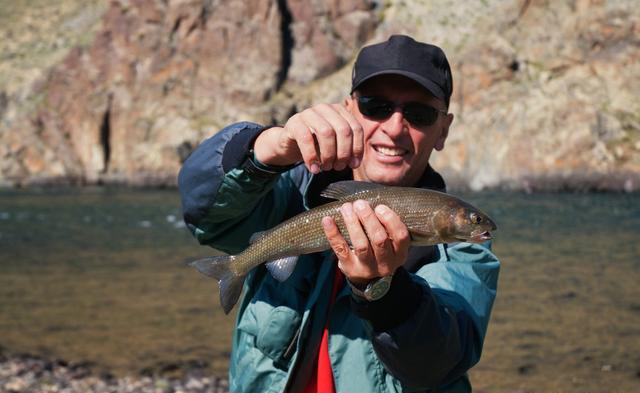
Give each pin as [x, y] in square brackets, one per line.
[396, 124]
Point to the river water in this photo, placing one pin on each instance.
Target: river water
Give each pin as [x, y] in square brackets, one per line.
[98, 275]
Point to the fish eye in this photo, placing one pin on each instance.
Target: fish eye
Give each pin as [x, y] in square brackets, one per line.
[475, 218]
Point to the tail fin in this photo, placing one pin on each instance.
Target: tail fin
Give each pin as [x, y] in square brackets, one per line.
[230, 284]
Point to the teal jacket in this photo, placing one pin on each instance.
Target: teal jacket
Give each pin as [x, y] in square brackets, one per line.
[422, 336]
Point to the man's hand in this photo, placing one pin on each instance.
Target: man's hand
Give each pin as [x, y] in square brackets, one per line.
[325, 137]
[380, 241]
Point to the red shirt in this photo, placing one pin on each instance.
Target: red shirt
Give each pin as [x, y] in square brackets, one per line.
[321, 380]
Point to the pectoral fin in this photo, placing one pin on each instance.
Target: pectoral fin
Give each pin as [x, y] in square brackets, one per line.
[423, 238]
[282, 268]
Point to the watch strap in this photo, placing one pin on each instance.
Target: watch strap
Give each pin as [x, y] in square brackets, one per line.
[399, 304]
[374, 290]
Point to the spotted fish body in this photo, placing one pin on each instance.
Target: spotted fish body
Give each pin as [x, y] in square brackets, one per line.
[431, 217]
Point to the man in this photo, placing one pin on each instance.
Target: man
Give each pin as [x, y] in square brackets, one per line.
[408, 318]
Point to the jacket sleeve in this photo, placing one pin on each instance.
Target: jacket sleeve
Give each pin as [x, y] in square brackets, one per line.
[440, 315]
[227, 196]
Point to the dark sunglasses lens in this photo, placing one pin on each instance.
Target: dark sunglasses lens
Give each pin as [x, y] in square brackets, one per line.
[419, 114]
[375, 108]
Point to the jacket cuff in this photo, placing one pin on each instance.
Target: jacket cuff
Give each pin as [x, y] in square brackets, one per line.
[238, 153]
[395, 307]
[238, 149]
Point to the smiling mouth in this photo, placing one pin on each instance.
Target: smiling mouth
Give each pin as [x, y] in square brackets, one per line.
[390, 151]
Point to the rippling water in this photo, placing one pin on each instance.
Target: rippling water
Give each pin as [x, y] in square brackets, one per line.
[98, 275]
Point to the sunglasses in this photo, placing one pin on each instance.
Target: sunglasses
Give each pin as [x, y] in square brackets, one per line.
[420, 115]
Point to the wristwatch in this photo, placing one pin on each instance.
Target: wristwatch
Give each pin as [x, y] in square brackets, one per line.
[375, 289]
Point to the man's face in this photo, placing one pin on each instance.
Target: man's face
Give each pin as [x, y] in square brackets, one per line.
[397, 152]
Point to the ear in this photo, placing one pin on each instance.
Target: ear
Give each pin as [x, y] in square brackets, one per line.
[446, 123]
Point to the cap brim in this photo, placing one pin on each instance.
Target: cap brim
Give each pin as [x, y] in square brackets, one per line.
[432, 87]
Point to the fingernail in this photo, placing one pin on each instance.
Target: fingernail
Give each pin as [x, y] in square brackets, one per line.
[346, 209]
[382, 209]
[315, 168]
[355, 162]
[359, 205]
[326, 222]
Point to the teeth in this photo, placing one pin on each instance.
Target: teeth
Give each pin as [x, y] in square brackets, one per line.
[389, 151]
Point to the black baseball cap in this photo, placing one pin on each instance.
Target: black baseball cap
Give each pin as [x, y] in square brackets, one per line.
[402, 55]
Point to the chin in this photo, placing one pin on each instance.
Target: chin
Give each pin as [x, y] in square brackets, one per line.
[389, 177]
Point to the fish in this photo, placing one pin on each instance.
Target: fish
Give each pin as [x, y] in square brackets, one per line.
[431, 217]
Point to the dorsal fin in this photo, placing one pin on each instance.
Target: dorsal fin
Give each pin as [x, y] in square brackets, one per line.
[343, 189]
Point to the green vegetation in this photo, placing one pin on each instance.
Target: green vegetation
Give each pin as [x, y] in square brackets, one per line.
[35, 34]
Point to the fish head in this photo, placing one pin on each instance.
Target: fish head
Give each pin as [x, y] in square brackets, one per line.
[464, 222]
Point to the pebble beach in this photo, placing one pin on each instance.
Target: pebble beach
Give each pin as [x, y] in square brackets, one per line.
[26, 374]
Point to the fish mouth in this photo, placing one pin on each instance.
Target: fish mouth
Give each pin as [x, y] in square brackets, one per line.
[480, 237]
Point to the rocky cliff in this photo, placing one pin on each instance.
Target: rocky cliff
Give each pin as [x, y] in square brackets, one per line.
[545, 92]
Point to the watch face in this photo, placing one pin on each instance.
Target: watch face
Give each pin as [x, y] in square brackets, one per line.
[378, 289]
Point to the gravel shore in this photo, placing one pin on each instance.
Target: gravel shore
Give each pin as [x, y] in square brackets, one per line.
[27, 374]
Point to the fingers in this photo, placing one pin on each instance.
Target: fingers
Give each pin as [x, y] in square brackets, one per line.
[357, 263]
[349, 135]
[328, 137]
[305, 142]
[320, 125]
[357, 235]
[336, 240]
[379, 240]
[357, 146]
[399, 237]
[351, 265]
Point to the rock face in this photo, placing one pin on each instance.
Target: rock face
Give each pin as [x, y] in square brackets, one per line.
[545, 92]
[548, 98]
[159, 76]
